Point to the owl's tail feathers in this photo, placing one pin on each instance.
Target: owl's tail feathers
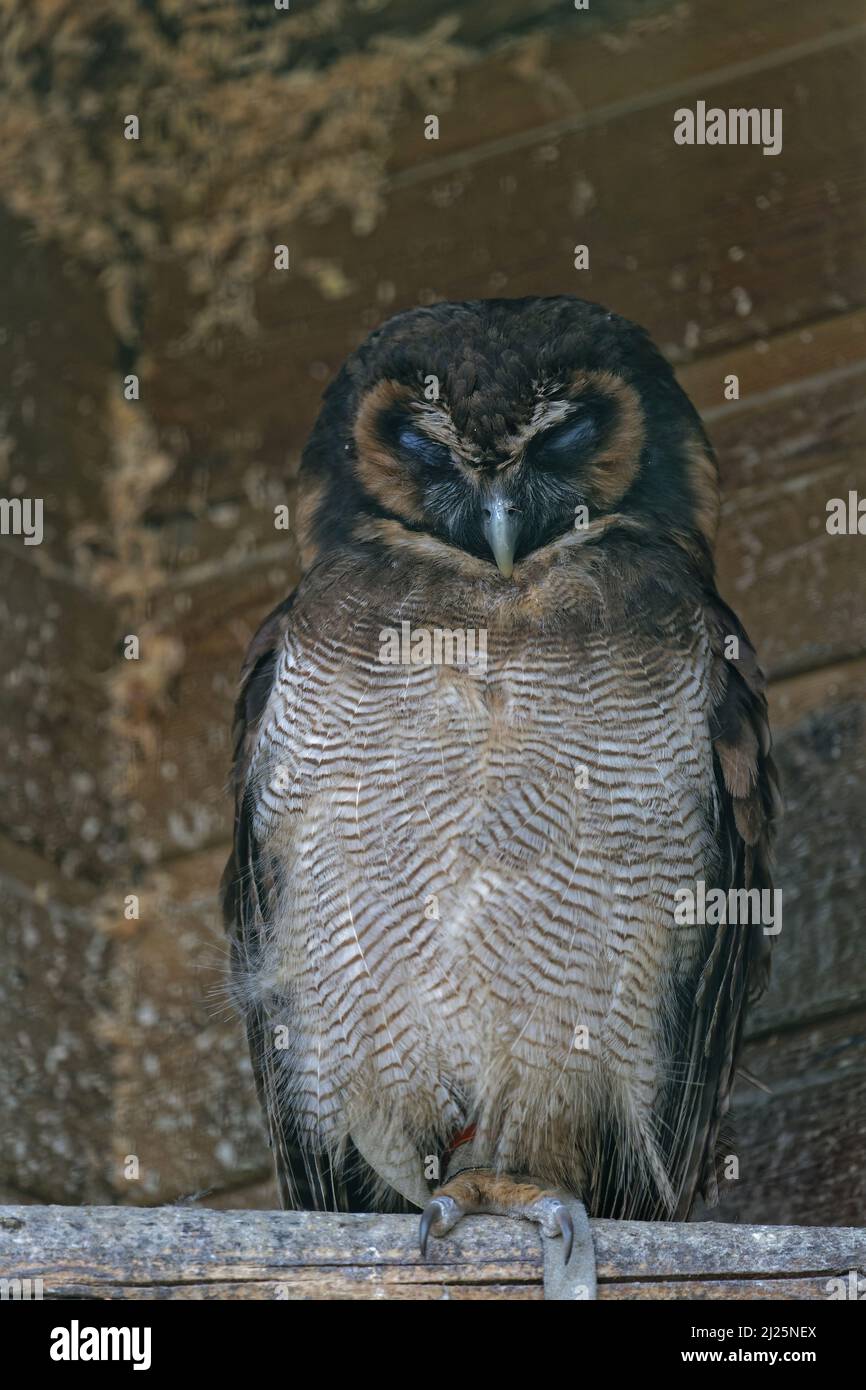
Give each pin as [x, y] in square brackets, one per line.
[627, 1178]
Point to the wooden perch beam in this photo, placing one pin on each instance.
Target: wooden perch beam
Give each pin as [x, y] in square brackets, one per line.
[192, 1252]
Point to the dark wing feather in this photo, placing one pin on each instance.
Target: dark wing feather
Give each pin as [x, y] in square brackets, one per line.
[736, 965]
[305, 1176]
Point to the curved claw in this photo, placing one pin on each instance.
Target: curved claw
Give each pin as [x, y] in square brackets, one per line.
[566, 1225]
[431, 1213]
[440, 1216]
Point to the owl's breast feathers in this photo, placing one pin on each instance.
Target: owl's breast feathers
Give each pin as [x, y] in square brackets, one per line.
[451, 897]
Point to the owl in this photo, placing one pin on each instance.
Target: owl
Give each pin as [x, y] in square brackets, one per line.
[498, 734]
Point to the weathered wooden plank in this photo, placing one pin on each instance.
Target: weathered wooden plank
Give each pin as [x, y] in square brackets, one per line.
[801, 696]
[704, 1250]
[747, 1290]
[699, 269]
[324, 1287]
[572, 72]
[782, 460]
[769, 370]
[177, 1252]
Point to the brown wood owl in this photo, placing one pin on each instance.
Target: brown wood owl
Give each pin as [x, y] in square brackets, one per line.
[499, 729]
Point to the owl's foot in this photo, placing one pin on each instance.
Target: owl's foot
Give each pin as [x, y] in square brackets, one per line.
[481, 1191]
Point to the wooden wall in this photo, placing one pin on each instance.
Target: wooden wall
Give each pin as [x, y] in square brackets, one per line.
[156, 257]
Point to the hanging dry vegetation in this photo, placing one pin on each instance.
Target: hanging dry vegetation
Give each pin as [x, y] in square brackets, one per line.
[250, 118]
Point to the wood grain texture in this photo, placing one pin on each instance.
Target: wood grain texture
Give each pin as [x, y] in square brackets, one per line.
[586, 67]
[176, 1252]
[669, 263]
[782, 459]
[799, 1141]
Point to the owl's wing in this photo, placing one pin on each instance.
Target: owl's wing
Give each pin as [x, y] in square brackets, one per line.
[248, 893]
[736, 965]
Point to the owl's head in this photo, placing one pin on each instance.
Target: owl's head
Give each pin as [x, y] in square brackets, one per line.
[499, 427]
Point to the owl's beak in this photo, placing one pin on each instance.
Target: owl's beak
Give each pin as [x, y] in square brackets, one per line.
[501, 523]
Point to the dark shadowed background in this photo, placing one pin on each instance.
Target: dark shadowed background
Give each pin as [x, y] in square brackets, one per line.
[124, 1074]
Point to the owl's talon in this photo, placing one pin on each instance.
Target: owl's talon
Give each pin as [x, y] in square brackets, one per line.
[476, 1191]
[439, 1216]
[554, 1218]
[566, 1225]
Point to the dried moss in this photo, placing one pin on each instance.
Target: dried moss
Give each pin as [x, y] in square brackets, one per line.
[250, 119]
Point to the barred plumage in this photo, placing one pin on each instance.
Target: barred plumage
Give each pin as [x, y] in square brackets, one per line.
[451, 896]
